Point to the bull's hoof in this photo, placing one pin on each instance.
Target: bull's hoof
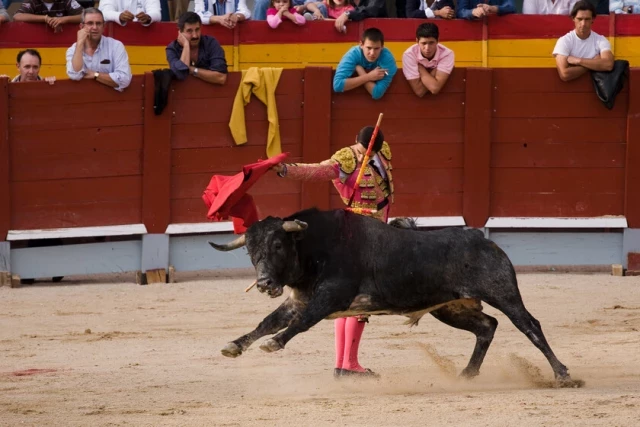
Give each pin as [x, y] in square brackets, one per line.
[469, 373]
[568, 382]
[231, 350]
[270, 346]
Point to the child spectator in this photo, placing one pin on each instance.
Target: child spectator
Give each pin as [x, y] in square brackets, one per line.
[334, 8]
[280, 8]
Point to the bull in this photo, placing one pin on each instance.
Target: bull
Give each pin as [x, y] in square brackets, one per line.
[340, 264]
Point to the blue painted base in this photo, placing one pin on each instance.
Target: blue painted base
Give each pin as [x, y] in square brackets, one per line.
[525, 248]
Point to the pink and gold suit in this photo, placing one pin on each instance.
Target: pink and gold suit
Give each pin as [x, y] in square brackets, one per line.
[375, 191]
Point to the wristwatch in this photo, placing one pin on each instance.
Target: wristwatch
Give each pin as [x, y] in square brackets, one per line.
[96, 75]
[195, 71]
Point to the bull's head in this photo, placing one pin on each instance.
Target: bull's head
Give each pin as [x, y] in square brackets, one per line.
[271, 244]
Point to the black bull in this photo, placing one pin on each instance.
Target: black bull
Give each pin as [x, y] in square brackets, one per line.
[341, 264]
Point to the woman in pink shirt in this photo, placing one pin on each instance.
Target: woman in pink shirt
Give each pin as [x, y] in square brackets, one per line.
[280, 8]
[335, 8]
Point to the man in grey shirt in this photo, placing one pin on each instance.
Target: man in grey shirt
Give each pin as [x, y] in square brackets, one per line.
[98, 57]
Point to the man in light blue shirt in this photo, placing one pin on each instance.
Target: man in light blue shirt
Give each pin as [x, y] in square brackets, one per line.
[371, 61]
[98, 57]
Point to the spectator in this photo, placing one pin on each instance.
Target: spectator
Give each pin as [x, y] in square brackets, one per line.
[624, 6]
[260, 8]
[501, 7]
[280, 8]
[4, 16]
[222, 12]
[331, 9]
[195, 54]
[371, 61]
[427, 64]
[28, 63]
[444, 9]
[364, 9]
[582, 50]
[125, 11]
[547, 7]
[53, 13]
[98, 57]
[602, 6]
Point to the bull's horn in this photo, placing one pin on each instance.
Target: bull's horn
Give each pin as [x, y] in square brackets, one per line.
[238, 243]
[295, 225]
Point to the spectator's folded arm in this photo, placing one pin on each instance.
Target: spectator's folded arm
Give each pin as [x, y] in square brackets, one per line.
[152, 8]
[371, 10]
[413, 10]
[506, 6]
[121, 74]
[465, 9]
[179, 68]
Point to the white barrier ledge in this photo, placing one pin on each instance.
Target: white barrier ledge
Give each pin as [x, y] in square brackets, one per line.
[200, 227]
[227, 226]
[557, 222]
[59, 233]
[438, 221]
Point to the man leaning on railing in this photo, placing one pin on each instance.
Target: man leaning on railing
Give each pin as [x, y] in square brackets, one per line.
[124, 11]
[28, 64]
[97, 57]
[195, 54]
[53, 13]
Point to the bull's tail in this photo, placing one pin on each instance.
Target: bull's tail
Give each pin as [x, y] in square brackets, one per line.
[404, 222]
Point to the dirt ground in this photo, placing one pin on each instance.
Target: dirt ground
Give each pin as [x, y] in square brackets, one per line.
[104, 351]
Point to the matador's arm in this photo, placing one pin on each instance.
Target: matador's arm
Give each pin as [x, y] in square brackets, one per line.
[324, 171]
[340, 165]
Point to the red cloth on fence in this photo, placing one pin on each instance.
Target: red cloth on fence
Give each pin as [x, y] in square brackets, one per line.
[225, 196]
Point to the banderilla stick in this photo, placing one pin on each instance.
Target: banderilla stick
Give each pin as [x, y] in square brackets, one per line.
[251, 286]
[365, 161]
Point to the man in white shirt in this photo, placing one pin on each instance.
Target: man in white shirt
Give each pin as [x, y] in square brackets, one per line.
[98, 57]
[547, 7]
[582, 50]
[222, 12]
[124, 11]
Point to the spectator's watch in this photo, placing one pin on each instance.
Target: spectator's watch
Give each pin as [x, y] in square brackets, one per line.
[347, 13]
[96, 75]
[195, 72]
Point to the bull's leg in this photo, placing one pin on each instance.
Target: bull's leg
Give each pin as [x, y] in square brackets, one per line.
[320, 307]
[515, 310]
[271, 324]
[469, 317]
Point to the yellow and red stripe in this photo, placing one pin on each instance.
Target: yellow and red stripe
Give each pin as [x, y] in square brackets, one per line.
[511, 41]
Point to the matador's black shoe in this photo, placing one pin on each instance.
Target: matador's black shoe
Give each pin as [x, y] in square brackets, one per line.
[368, 373]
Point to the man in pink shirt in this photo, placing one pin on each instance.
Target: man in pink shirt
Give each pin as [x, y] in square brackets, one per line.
[427, 64]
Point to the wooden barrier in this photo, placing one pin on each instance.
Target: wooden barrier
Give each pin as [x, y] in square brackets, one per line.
[490, 144]
[510, 41]
[556, 151]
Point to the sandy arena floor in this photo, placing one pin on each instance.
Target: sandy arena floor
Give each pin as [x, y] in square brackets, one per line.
[108, 352]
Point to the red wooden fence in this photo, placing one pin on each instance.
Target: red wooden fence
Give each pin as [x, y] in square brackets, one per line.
[503, 142]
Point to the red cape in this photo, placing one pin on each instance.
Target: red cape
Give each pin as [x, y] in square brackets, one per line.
[225, 196]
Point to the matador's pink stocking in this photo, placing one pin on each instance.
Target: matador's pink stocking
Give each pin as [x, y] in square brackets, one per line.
[339, 332]
[353, 332]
